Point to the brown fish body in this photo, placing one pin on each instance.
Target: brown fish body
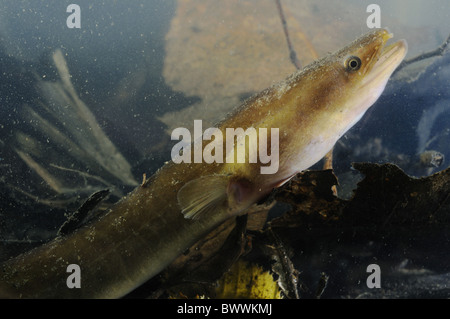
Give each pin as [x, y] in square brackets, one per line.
[122, 246]
[146, 230]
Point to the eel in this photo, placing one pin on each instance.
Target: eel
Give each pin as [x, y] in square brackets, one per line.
[182, 202]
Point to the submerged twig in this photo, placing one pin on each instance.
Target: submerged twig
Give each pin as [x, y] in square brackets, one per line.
[283, 267]
[82, 174]
[59, 203]
[439, 51]
[322, 285]
[80, 216]
[51, 181]
[292, 53]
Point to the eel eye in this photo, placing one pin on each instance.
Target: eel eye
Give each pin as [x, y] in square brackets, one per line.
[353, 63]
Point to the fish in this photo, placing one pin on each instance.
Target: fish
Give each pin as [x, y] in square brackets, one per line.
[182, 202]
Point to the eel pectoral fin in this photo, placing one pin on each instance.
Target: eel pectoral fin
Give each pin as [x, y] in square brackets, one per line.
[202, 196]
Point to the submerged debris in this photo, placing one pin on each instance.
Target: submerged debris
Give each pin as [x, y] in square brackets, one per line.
[68, 141]
[79, 133]
[321, 246]
[431, 159]
[64, 154]
[80, 217]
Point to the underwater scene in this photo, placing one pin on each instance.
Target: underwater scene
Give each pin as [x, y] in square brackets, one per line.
[238, 149]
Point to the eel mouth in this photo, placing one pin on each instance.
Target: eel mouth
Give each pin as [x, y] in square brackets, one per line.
[390, 58]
